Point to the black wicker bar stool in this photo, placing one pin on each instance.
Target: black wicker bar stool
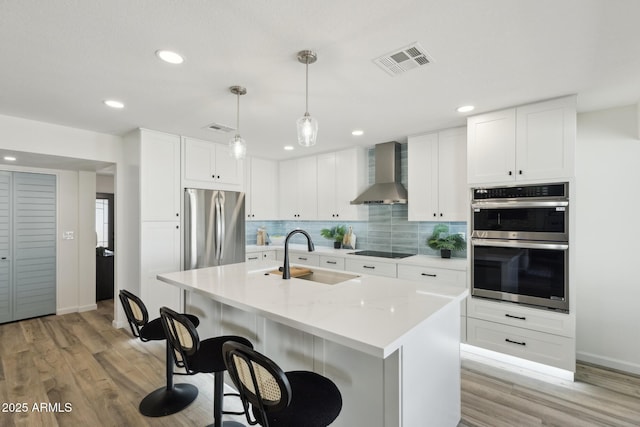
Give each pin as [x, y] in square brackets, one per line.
[196, 356]
[173, 397]
[277, 398]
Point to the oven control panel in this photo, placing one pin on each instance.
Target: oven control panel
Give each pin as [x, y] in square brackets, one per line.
[523, 191]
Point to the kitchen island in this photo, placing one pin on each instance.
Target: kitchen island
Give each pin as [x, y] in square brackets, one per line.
[390, 345]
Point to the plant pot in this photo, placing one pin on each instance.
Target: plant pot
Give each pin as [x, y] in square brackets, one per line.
[336, 245]
[445, 253]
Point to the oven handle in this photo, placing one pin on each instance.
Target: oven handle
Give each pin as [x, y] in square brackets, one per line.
[520, 204]
[526, 244]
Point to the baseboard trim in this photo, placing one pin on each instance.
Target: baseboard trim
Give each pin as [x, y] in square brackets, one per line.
[513, 364]
[609, 362]
[80, 309]
[88, 307]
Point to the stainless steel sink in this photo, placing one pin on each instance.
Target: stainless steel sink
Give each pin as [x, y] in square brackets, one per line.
[328, 277]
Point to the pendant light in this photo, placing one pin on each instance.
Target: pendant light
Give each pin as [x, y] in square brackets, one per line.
[307, 125]
[237, 145]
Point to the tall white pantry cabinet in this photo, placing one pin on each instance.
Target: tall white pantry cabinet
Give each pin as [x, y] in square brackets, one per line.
[156, 202]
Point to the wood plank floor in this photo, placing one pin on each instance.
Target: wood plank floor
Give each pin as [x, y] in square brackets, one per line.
[101, 374]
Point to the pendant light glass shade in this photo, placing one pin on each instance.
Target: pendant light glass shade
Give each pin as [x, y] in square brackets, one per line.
[307, 130]
[237, 145]
[307, 126]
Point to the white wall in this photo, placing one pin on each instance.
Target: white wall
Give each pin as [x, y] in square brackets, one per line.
[105, 184]
[607, 234]
[76, 200]
[67, 255]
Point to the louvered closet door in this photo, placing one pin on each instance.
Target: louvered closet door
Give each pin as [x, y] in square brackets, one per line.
[6, 294]
[34, 249]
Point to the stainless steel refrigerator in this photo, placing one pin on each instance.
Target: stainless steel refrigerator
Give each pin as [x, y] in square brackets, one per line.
[214, 228]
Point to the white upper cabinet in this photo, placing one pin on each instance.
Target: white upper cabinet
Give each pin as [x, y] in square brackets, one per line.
[342, 176]
[546, 139]
[533, 142]
[437, 176]
[208, 165]
[298, 193]
[261, 189]
[159, 176]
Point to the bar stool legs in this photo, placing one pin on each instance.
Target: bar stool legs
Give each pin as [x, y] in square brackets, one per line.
[170, 399]
[218, 394]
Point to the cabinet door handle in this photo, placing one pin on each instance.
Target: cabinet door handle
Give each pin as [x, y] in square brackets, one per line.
[440, 213]
[177, 227]
[510, 173]
[331, 262]
[429, 275]
[302, 258]
[369, 266]
[434, 214]
[253, 257]
[4, 257]
[515, 342]
[177, 214]
[519, 172]
[515, 317]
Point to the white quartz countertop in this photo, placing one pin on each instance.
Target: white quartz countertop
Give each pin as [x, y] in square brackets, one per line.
[369, 313]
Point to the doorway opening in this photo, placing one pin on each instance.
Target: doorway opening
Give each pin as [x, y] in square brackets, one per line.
[105, 245]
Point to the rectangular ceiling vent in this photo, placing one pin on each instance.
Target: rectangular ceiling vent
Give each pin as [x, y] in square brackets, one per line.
[217, 127]
[404, 59]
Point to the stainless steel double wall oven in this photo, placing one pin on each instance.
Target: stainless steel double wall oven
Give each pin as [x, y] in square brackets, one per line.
[520, 244]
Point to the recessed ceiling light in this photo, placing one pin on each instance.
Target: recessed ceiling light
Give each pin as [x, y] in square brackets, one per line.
[113, 103]
[10, 158]
[170, 57]
[288, 147]
[357, 132]
[465, 108]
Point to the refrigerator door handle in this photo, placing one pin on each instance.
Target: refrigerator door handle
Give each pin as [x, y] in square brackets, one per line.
[218, 225]
[223, 226]
[193, 235]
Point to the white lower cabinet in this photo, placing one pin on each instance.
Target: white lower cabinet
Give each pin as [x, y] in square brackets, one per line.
[260, 256]
[304, 258]
[439, 276]
[371, 267]
[553, 350]
[522, 317]
[538, 335]
[333, 262]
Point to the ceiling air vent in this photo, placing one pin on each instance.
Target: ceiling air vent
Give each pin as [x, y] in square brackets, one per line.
[403, 59]
[217, 127]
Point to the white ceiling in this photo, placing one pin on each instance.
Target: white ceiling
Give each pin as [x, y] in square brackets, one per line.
[61, 58]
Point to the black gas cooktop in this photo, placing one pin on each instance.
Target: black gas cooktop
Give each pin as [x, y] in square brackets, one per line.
[382, 254]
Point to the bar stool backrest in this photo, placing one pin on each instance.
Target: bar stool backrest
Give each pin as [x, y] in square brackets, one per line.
[181, 335]
[135, 310]
[259, 380]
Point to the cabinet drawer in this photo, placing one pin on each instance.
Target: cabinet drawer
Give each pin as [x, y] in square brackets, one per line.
[522, 317]
[334, 262]
[253, 257]
[305, 259]
[536, 346]
[371, 267]
[431, 274]
[257, 256]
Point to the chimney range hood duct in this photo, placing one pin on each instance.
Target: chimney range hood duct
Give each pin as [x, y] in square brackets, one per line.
[387, 189]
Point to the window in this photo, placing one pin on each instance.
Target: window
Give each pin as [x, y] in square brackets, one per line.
[104, 220]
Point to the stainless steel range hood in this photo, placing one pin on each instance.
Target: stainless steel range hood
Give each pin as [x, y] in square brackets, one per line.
[387, 189]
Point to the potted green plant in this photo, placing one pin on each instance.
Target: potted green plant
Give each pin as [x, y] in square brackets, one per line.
[334, 233]
[442, 240]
